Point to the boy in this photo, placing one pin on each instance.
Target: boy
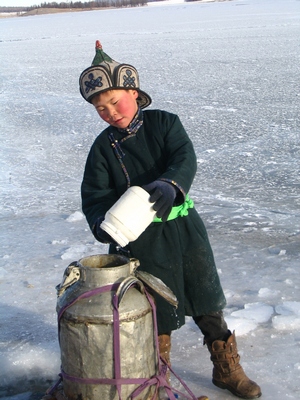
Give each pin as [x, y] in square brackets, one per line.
[151, 149]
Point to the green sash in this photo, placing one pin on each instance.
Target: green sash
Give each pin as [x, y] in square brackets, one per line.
[179, 211]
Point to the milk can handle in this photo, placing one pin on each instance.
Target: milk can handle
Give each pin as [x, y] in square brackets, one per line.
[126, 284]
[134, 263]
[71, 275]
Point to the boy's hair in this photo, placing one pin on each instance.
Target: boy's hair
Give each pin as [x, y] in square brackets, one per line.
[106, 74]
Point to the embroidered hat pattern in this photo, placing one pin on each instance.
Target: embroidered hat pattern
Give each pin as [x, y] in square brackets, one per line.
[107, 74]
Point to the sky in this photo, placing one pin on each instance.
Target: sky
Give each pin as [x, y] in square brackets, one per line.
[18, 3]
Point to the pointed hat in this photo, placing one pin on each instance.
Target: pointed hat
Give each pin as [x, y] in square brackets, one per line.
[107, 74]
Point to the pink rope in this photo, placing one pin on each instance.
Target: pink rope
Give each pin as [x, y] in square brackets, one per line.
[86, 295]
[117, 347]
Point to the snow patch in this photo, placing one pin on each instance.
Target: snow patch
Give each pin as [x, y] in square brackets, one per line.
[248, 319]
[289, 316]
[241, 326]
[75, 252]
[266, 293]
[76, 216]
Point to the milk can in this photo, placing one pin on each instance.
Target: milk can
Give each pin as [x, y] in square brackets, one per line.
[106, 332]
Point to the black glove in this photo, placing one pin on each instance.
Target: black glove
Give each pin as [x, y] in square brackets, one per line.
[162, 194]
[100, 234]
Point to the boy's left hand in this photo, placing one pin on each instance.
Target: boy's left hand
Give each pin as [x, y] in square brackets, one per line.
[162, 194]
[100, 234]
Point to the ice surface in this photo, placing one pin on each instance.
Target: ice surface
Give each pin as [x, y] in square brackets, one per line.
[231, 71]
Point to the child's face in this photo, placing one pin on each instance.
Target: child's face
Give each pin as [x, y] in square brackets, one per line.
[117, 107]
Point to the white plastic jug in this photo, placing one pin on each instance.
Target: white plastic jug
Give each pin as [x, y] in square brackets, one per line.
[127, 219]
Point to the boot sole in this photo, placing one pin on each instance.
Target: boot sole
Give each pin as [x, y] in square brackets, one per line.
[224, 386]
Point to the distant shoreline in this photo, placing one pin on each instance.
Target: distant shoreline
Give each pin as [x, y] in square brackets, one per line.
[43, 11]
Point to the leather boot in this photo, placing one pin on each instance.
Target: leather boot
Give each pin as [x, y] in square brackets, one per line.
[228, 373]
[164, 343]
[57, 395]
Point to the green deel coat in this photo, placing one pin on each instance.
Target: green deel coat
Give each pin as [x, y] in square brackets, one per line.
[177, 251]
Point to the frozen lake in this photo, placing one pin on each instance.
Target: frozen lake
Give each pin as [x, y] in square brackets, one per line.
[231, 71]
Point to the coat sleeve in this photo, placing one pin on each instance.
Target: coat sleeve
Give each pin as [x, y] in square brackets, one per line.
[181, 162]
[98, 193]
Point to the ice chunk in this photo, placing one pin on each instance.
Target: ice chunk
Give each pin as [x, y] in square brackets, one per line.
[258, 312]
[76, 216]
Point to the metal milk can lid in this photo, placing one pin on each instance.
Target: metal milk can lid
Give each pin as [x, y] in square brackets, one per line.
[158, 286]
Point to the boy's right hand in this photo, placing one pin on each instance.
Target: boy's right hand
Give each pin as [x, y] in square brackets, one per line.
[100, 234]
[162, 194]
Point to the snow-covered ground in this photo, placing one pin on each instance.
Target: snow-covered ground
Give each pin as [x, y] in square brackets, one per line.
[231, 70]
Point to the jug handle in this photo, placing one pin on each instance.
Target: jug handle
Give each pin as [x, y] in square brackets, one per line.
[71, 275]
[126, 284]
